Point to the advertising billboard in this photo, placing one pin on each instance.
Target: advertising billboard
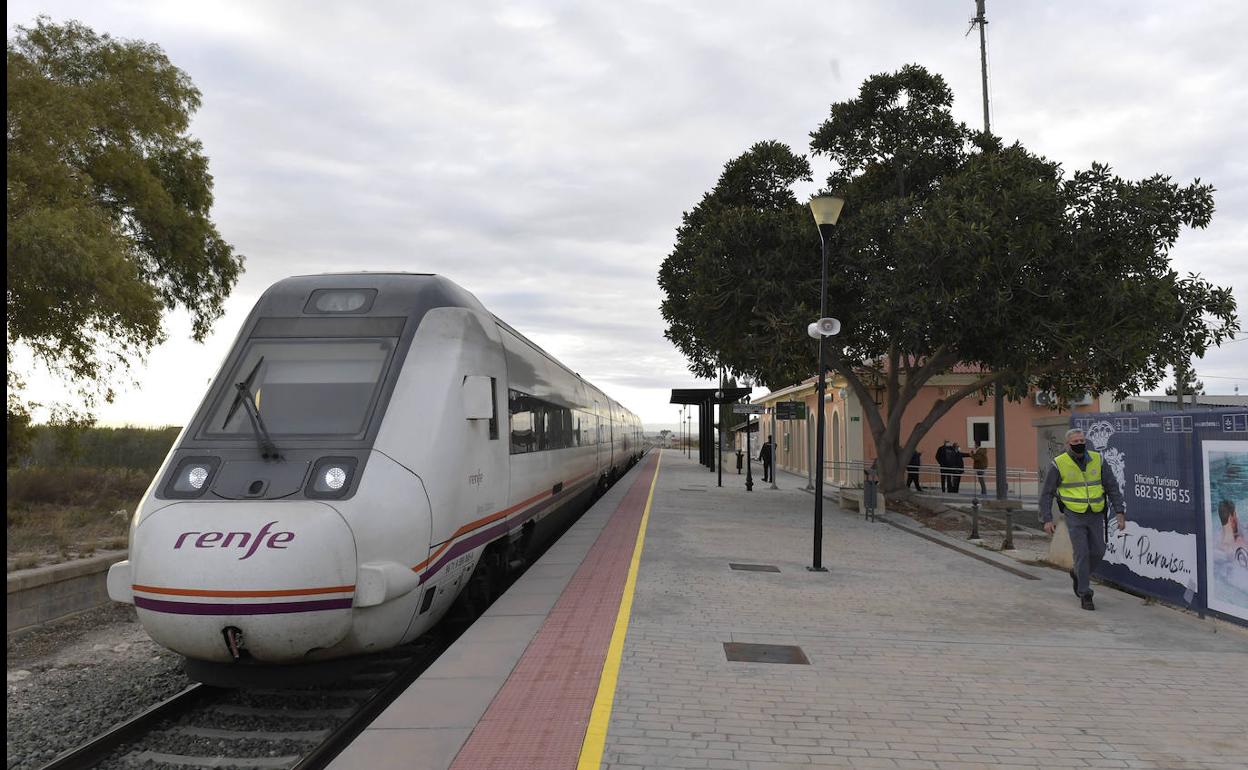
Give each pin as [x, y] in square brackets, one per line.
[1226, 538]
[1184, 481]
[1150, 456]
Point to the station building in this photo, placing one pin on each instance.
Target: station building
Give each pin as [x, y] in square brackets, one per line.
[1034, 431]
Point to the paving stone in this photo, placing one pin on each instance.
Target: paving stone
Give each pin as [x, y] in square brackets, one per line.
[920, 656]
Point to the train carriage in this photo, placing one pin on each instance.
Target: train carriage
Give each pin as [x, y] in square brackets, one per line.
[373, 446]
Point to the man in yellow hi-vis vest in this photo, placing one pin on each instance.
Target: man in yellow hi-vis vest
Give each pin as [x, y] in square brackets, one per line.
[1084, 487]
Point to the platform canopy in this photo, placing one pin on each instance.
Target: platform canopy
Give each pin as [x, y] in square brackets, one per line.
[707, 395]
[704, 399]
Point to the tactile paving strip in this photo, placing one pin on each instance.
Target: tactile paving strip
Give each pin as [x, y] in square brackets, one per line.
[539, 717]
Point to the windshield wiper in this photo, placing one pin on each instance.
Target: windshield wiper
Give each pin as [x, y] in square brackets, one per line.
[268, 450]
[239, 396]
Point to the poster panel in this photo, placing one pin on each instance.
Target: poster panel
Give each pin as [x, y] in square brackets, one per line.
[1151, 457]
[1225, 464]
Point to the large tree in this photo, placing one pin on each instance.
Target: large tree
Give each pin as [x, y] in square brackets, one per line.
[108, 204]
[953, 250]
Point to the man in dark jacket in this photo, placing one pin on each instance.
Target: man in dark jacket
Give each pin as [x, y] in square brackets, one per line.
[957, 466]
[912, 471]
[945, 462]
[764, 454]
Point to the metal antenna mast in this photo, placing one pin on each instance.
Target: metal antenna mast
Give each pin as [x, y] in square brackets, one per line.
[998, 396]
[983, 56]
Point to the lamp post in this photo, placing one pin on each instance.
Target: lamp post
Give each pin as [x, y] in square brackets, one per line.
[680, 428]
[719, 434]
[827, 209]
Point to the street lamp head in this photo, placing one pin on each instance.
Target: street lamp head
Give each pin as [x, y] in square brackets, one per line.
[827, 209]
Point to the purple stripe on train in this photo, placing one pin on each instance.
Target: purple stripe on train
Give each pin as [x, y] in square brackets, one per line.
[219, 608]
[486, 535]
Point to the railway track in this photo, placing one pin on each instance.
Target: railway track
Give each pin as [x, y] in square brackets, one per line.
[293, 728]
[298, 728]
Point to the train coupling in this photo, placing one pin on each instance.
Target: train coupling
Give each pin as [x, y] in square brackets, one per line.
[234, 642]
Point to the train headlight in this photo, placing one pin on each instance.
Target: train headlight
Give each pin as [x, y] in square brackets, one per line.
[196, 476]
[331, 477]
[335, 477]
[192, 477]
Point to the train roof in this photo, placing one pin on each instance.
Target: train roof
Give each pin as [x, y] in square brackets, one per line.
[410, 294]
[397, 293]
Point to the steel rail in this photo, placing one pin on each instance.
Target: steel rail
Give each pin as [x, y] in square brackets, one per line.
[96, 750]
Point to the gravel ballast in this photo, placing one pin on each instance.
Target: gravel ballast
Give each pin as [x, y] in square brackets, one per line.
[72, 680]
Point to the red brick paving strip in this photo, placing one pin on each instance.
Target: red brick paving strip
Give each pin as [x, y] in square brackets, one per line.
[538, 719]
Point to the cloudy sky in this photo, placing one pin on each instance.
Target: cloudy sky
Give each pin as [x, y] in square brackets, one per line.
[541, 153]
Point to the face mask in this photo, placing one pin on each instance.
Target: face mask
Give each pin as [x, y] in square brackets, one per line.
[1078, 448]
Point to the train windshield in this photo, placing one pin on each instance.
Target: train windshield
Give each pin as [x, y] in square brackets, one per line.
[304, 387]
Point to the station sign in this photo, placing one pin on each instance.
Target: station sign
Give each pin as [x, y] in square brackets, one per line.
[790, 410]
[748, 409]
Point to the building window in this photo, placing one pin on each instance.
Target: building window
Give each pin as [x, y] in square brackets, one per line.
[981, 429]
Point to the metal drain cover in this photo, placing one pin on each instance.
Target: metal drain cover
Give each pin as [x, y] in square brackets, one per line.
[742, 652]
[754, 567]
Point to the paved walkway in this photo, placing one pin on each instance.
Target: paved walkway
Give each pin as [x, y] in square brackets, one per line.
[920, 656]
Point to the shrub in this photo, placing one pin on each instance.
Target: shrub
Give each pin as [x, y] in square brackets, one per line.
[105, 488]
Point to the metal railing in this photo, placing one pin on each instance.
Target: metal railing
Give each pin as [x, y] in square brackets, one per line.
[1021, 483]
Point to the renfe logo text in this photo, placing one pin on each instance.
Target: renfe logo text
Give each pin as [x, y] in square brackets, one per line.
[238, 540]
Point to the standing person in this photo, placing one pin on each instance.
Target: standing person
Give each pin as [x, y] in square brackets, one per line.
[957, 463]
[912, 471]
[764, 454]
[942, 459]
[979, 461]
[1082, 485]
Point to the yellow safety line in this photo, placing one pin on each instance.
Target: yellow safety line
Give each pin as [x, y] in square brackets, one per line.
[600, 717]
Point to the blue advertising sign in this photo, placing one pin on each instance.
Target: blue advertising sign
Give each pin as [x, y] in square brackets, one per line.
[1184, 480]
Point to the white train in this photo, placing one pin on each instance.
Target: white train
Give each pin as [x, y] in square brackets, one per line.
[374, 445]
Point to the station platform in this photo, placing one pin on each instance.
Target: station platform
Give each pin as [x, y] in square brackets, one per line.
[635, 643]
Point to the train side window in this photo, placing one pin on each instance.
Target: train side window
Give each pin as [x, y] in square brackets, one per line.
[523, 427]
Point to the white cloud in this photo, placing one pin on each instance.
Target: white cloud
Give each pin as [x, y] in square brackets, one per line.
[541, 153]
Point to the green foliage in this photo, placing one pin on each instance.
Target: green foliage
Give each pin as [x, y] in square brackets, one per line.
[71, 443]
[732, 282]
[108, 203]
[952, 249]
[17, 424]
[1191, 386]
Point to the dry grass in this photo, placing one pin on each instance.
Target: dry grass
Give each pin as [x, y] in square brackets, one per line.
[66, 513]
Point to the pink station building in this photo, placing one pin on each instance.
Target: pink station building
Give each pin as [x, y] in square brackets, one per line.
[1034, 431]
